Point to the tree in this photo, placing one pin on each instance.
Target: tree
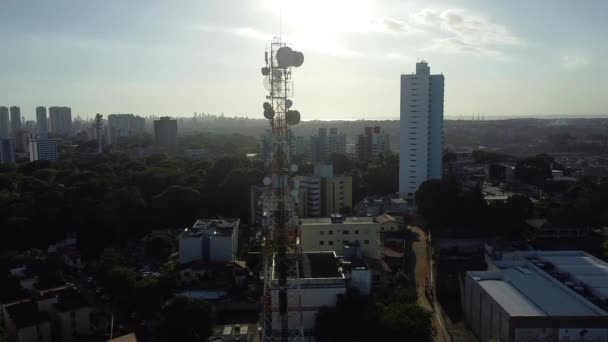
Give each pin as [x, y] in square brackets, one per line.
[185, 319]
[341, 163]
[177, 206]
[435, 202]
[354, 318]
[408, 322]
[159, 247]
[605, 249]
[381, 176]
[534, 170]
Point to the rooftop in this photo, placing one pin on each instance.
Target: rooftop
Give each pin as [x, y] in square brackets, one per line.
[382, 219]
[319, 265]
[222, 227]
[539, 283]
[70, 299]
[25, 314]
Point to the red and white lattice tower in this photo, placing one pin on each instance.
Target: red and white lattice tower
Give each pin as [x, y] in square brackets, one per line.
[281, 316]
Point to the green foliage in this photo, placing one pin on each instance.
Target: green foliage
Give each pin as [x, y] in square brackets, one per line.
[341, 163]
[158, 247]
[185, 319]
[435, 200]
[380, 318]
[408, 321]
[449, 209]
[354, 318]
[534, 170]
[112, 199]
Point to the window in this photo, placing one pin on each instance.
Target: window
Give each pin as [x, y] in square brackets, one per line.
[366, 242]
[331, 243]
[381, 228]
[345, 232]
[331, 232]
[357, 241]
[321, 243]
[345, 242]
[356, 231]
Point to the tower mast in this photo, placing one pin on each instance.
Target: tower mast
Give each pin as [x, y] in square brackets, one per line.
[281, 317]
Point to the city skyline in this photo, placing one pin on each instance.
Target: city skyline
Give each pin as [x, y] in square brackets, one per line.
[117, 57]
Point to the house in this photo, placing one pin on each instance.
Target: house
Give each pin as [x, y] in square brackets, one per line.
[212, 240]
[24, 322]
[543, 229]
[335, 232]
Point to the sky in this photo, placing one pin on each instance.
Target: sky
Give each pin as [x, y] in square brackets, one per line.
[518, 57]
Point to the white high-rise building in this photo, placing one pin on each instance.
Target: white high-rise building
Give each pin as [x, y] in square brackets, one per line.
[421, 129]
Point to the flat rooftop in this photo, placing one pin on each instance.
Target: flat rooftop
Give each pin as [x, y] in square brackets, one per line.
[563, 283]
[25, 314]
[319, 265]
[222, 227]
[315, 221]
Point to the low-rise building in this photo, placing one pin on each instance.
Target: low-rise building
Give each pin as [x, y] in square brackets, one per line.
[324, 193]
[544, 229]
[538, 296]
[72, 315]
[212, 240]
[24, 322]
[320, 283]
[335, 232]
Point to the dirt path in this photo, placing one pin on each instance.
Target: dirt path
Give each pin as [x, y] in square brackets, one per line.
[422, 273]
[421, 269]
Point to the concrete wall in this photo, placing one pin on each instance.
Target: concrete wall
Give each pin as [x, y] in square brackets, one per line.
[222, 248]
[36, 333]
[76, 322]
[190, 249]
[315, 293]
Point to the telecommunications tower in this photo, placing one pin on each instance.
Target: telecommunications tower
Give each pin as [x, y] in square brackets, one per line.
[281, 316]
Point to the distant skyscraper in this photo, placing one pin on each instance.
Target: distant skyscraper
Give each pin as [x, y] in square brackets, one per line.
[372, 144]
[41, 119]
[124, 125]
[4, 123]
[15, 120]
[421, 129]
[323, 144]
[60, 120]
[7, 151]
[22, 137]
[165, 134]
[43, 148]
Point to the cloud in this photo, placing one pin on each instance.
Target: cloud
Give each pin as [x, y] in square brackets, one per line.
[575, 62]
[394, 25]
[251, 33]
[457, 31]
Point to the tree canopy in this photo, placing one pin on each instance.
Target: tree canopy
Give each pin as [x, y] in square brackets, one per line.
[185, 319]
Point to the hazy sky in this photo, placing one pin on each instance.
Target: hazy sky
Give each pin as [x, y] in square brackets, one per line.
[178, 57]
